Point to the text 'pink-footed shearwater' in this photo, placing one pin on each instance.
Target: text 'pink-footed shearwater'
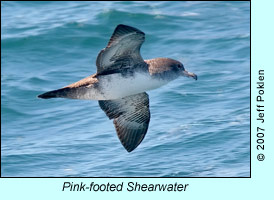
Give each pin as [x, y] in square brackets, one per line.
[120, 83]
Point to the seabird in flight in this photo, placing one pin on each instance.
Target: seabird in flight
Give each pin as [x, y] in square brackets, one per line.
[121, 82]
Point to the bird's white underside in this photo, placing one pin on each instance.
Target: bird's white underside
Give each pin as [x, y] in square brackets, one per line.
[115, 86]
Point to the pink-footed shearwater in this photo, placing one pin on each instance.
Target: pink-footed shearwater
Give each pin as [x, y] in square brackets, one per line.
[120, 83]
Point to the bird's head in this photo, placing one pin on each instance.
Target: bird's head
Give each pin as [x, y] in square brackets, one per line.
[168, 66]
[183, 72]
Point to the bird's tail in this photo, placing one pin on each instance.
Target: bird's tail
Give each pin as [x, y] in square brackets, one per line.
[60, 93]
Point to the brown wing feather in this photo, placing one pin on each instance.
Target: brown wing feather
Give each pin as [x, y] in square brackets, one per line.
[122, 51]
[131, 118]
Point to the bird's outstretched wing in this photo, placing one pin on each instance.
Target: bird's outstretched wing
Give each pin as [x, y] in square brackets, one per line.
[122, 51]
[131, 118]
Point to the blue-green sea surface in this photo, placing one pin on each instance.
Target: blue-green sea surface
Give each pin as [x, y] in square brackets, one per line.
[197, 128]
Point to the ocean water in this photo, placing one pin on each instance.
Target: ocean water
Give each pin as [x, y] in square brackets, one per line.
[197, 128]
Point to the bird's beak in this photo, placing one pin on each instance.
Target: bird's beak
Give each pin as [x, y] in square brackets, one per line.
[190, 74]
